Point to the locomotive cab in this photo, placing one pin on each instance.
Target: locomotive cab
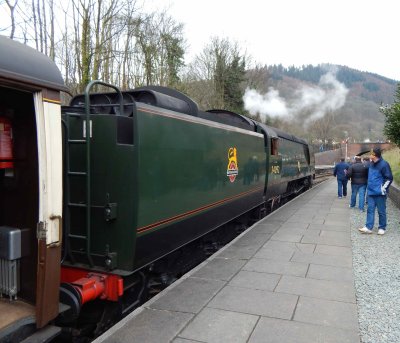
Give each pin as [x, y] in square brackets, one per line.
[30, 190]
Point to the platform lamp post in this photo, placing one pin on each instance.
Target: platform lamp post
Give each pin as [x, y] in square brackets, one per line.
[347, 141]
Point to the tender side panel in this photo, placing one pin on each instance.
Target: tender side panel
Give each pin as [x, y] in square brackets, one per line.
[184, 190]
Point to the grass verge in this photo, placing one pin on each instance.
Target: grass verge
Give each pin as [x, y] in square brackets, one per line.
[393, 157]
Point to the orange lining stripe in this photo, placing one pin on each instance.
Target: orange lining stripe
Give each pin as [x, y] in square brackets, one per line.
[179, 216]
[52, 101]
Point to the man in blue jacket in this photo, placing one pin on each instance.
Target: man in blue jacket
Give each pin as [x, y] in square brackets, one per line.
[379, 179]
[340, 172]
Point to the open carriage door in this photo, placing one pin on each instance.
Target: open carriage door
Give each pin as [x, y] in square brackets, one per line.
[49, 231]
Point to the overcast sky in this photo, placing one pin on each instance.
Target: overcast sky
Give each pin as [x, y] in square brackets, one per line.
[360, 34]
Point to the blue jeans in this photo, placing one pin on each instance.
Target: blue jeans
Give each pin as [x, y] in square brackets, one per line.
[342, 188]
[360, 189]
[379, 202]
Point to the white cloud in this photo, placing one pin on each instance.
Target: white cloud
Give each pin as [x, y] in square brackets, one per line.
[360, 34]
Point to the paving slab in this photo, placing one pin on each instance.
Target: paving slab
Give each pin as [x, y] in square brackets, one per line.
[149, 326]
[333, 250]
[255, 280]
[255, 239]
[326, 312]
[283, 255]
[222, 326]
[267, 227]
[254, 301]
[286, 237]
[300, 231]
[269, 220]
[293, 225]
[191, 295]
[318, 220]
[329, 260]
[220, 269]
[277, 246]
[296, 218]
[282, 250]
[271, 330]
[183, 340]
[326, 240]
[322, 289]
[283, 215]
[277, 267]
[321, 272]
[345, 235]
[324, 226]
[240, 252]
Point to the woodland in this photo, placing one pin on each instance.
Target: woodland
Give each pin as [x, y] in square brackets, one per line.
[117, 42]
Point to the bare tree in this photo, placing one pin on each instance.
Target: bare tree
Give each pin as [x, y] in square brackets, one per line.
[52, 42]
[322, 128]
[12, 16]
[103, 39]
[35, 25]
[257, 78]
[40, 22]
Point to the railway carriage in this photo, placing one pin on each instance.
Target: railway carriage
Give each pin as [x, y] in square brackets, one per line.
[30, 188]
[102, 197]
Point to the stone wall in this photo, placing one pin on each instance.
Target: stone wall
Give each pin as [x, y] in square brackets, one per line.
[394, 194]
[332, 156]
[328, 158]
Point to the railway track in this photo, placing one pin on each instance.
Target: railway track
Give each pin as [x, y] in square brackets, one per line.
[322, 174]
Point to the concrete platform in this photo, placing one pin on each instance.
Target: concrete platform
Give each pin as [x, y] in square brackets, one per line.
[289, 278]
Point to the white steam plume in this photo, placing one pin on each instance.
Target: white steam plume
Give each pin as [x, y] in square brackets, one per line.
[309, 103]
[268, 104]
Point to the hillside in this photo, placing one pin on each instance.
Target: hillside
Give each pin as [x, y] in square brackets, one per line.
[358, 118]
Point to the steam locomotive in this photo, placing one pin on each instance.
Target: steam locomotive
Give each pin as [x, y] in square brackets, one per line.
[102, 200]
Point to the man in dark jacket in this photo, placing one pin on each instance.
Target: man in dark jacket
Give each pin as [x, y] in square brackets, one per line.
[379, 179]
[358, 174]
[340, 172]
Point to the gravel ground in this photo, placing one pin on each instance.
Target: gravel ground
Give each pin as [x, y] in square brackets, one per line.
[376, 261]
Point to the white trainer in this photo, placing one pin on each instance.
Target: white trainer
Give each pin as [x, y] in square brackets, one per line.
[381, 232]
[365, 230]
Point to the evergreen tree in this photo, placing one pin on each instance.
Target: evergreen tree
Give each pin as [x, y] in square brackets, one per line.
[392, 119]
[217, 76]
[233, 92]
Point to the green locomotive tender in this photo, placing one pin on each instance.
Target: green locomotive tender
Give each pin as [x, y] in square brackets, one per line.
[165, 173]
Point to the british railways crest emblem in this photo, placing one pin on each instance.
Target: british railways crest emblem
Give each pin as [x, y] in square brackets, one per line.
[232, 170]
